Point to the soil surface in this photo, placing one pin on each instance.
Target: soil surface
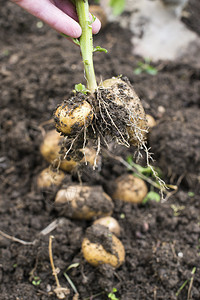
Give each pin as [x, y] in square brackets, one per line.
[38, 69]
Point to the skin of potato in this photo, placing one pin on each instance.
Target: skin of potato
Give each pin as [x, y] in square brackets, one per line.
[50, 151]
[111, 223]
[75, 197]
[47, 178]
[96, 255]
[130, 189]
[137, 127]
[71, 120]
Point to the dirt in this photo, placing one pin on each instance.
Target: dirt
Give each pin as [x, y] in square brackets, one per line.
[39, 68]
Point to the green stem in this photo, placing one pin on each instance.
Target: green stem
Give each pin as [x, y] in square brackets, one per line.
[86, 43]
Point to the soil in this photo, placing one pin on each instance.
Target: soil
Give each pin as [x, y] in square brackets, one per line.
[39, 68]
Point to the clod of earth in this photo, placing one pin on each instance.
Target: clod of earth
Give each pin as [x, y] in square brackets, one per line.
[100, 246]
[129, 188]
[83, 202]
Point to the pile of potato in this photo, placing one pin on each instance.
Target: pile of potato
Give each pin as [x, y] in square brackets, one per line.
[101, 244]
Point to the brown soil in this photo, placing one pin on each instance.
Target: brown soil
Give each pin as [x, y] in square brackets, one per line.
[39, 68]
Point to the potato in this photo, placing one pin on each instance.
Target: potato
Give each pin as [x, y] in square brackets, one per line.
[110, 223]
[151, 122]
[130, 189]
[72, 116]
[48, 177]
[98, 12]
[122, 94]
[83, 202]
[50, 149]
[100, 246]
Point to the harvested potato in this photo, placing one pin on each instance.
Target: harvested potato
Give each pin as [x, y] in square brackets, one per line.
[129, 188]
[151, 122]
[49, 177]
[72, 116]
[50, 149]
[98, 12]
[83, 202]
[100, 246]
[110, 223]
[126, 103]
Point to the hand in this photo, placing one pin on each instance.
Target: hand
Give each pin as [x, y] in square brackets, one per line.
[59, 14]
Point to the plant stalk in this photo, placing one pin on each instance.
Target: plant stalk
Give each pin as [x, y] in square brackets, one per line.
[86, 43]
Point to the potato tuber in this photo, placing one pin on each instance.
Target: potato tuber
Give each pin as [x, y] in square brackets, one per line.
[51, 151]
[129, 188]
[72, 116]
[126, 110]
[151, 122]
[100, 246]
[48, 177]
[110, 223]
[83, 202]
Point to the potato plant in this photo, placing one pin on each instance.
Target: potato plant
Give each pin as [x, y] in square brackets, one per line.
[110, 110]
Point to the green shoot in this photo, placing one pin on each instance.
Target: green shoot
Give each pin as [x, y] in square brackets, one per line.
[100, 49]
[112, 295]
[80, 88]
[151, 196]
[117, 6]
[147, 171]
[191, 194]
[177, 209]
[185, 283]
[36, 280]
[145, 67]
[75, 265]
[86, 43]
[76, 41]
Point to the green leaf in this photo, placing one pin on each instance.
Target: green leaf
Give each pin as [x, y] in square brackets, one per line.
[75, 40]
[75, 265]
[151, 70]
[117, 6]
[137, 71]
[191, 194]
[80, 88]
[93, 19]
[100, 49]
[151, 196]
[36, 281]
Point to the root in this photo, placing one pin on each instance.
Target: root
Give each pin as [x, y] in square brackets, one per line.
[60, 291]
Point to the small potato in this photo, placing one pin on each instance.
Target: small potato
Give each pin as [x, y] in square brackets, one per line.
[129, 105]
[98, 12]
[83, 202]
[130, 189]
[151, 122]
[71, 117]
[50, 149]
[110, 223]
[48, 177]
[100, 246]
